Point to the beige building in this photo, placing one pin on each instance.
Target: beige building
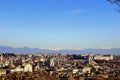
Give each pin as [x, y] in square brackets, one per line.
[2, 72]
[86, 69]
[103, 57]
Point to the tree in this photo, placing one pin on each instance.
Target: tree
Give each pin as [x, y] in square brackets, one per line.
[116, 2]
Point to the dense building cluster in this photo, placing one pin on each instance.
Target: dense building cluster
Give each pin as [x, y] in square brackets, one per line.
[59, 66]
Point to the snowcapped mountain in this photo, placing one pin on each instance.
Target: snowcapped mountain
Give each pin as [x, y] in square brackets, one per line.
[73, 51]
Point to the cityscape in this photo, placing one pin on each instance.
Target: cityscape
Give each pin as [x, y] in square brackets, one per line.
[59, 40]
[59, 66]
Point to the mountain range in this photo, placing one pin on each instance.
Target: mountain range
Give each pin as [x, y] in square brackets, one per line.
[7, 49]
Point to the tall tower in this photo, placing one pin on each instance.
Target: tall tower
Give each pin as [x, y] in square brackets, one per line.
[1, 58]
[52, 62]
[90, 60]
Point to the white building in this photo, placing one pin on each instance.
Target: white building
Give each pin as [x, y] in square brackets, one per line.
[28, 68]
[17, 69]
[75, 71]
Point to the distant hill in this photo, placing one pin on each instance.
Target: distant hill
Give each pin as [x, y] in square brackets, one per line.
[7, 49]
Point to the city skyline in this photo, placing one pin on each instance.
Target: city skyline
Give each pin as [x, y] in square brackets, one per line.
[59, 24]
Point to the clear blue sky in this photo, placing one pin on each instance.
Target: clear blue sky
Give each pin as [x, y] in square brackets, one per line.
[59, 24]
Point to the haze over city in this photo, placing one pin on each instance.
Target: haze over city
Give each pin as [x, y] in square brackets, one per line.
[59, 24]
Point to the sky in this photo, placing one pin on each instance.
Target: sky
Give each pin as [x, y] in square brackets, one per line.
[59, 24]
